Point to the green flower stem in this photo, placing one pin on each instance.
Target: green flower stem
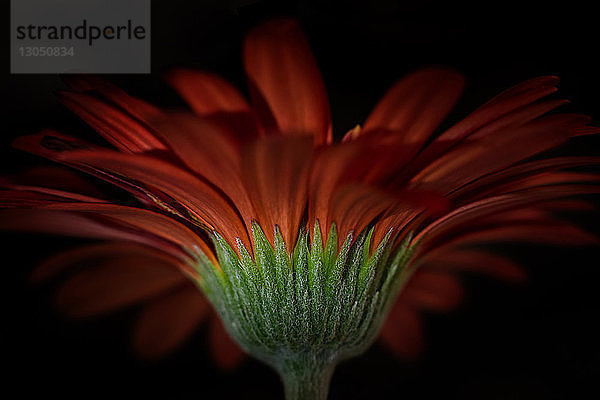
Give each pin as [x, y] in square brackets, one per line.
[306, 377]
[305, 311]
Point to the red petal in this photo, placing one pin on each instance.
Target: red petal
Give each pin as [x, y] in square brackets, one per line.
[124, 223]
[168, 321]
[416, 105]
[476, 261]
[517, 117]
[489, 184]
[49, 144]
[225, 351]
[280, 66]
[52, 145]
[472, 160]
[354, 206]
[139, 109]
[27, 196]
[120, 129]
[402, 332]
[548, 178]
[42, 194]
[327, 173]
[145, 221]
[61, 222]
[205, 148]
[97, 253]
[109, 283]
[511, 99]
[202, 201]
[54, 177]
[557, 233]
[207, 93]
[433, 290]
[276, 177]
[466, 215]
[511, 108]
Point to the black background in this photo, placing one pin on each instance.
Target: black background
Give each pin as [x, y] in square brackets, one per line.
[532, 341]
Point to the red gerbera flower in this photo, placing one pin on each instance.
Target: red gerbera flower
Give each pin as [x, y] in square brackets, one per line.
[214, 180]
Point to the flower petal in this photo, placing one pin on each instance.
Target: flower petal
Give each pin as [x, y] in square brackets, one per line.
[95, 84]
[168, 321]
[119, 128]
[329, 170]
[402, 332]
[509, 100]
[206, 149]
[433, 290]
[281, 68]
[414, 107]
[201, 200]
[355, 206]
[511, 108]
[475, 261]
[108, 221]
[53, 177]
[207, 93]
[226, 353]
[109, 282]
[276, 172]
[472, 160]
[466, 215]
[73, 258]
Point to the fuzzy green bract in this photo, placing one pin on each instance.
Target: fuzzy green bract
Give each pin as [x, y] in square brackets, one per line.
[305, 311]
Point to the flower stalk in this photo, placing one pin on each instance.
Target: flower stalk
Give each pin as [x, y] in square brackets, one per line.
[306, 376]
[303, 313]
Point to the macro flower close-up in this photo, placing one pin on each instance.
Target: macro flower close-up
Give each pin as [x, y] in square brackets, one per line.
[294, 243]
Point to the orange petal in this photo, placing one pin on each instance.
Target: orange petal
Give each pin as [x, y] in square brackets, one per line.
[402, 332]
[465, 215]
[168, 321]
[557, 233]
[329, 168]
[354, 206]
[517, 117]
[276, 177]
[488, 185]
[281, 68]
[120, 129]
[96, 252]
[144, 222]
[476, 261]
[49, 144]
[55, 177]
[510, 108]
[433, 290]
[416, 105]
[53, 145]
[201, 200]
[570, 205]
[110, 283]
[31, 196]
[60, 222]
[205, 148]
[225, 351]
[477, 158]
[207, 93]
[509, 100]
[138, 108]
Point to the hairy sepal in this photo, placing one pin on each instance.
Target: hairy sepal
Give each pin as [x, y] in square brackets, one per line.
[326, 303]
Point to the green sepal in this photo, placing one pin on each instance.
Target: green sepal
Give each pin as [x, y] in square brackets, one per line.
[315, 306]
